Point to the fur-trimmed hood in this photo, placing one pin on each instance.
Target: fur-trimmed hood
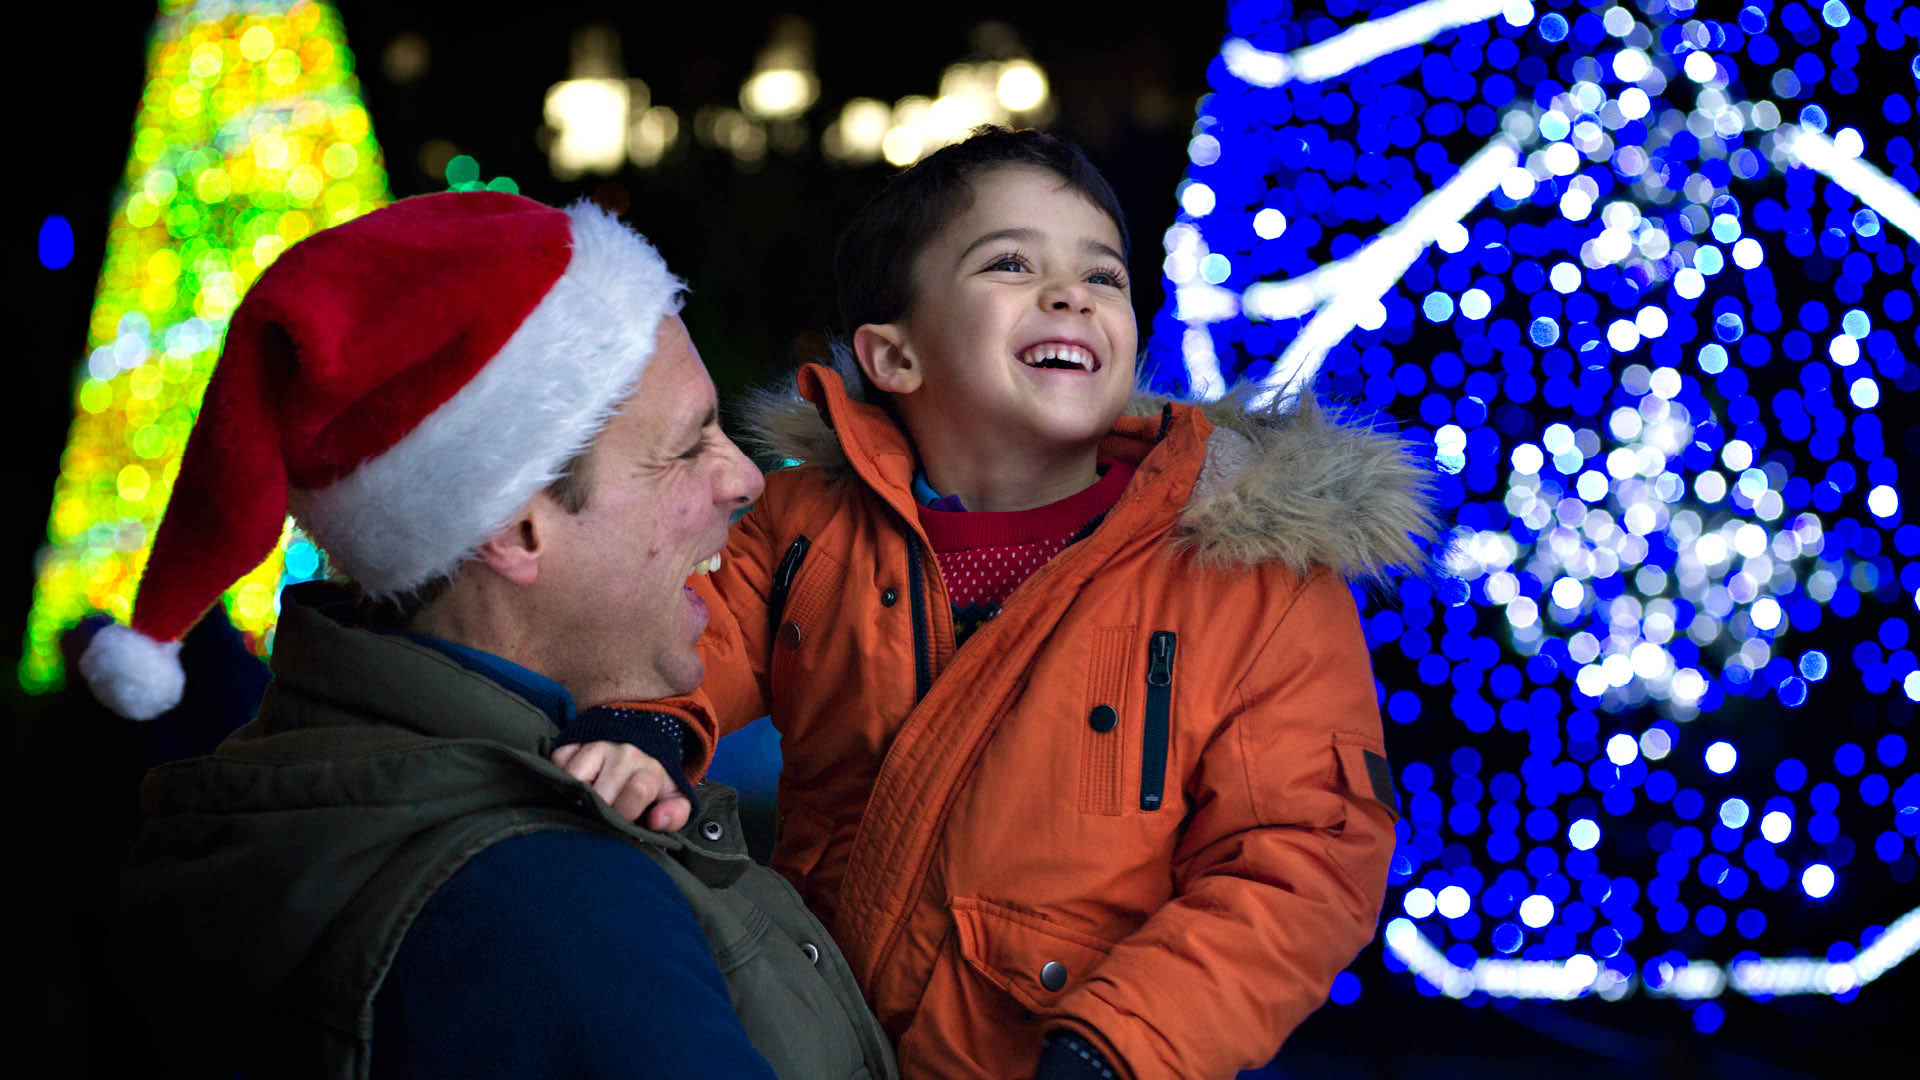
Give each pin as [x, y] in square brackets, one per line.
[1302, 488]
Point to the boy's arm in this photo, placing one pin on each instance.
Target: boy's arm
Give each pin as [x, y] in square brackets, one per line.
[1280, 874]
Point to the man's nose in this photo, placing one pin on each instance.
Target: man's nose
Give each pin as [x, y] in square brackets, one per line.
[740, 481]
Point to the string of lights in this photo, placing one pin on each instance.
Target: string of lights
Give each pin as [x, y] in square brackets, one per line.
[1643, 274]
[249, 136]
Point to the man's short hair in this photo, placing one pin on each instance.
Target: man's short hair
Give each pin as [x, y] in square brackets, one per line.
[570, 489]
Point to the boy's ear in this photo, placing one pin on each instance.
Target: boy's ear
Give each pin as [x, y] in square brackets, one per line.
[514, 552]
[881, 349]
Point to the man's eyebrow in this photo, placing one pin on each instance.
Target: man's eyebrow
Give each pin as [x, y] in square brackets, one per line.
[707, 420]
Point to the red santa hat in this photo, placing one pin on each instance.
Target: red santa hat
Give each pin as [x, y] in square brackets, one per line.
[402, 384]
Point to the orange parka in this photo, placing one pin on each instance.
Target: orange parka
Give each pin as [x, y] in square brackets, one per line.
[1149, 801]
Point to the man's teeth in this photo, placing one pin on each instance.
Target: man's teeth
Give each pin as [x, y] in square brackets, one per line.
[707, 566]
[1039, 355]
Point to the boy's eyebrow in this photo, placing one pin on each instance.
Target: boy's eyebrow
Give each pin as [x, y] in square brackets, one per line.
[1029, 236]
[1025, 236]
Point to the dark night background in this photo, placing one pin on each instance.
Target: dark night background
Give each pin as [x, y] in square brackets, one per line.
[755, 246]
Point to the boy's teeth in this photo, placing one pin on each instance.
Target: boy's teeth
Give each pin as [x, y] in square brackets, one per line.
[1045, 351]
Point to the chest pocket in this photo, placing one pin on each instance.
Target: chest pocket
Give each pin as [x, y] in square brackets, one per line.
[1115, 749]
[803, 584]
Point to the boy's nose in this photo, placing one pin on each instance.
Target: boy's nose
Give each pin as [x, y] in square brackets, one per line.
[1068, 296]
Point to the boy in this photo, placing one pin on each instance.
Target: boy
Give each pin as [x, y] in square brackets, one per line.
[1082, 760]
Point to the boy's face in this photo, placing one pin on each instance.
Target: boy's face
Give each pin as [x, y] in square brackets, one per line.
[1022, 323]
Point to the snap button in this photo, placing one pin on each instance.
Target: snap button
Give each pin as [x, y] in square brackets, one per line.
[1103, 718]
[1053, 975]
[812, 951]
[790, 635]
[889, 597]
[711, 830]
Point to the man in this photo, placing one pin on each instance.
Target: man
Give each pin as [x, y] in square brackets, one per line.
[490, 416]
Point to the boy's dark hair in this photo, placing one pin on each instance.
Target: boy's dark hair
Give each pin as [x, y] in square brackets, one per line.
[873, 260]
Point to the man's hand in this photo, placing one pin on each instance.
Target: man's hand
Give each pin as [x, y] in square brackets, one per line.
[629, 780]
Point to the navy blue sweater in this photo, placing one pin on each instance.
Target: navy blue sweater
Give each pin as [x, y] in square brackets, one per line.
[557, 953]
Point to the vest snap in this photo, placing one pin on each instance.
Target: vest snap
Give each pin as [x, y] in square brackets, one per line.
[711, 830]
[812, 951]
[889, 597]
[790, 635]
[1103, 718]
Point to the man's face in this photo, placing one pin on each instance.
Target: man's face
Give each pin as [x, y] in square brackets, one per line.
[1022, 321]
[663, 482]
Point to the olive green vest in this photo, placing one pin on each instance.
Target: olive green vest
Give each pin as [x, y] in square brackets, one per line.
[272, 882]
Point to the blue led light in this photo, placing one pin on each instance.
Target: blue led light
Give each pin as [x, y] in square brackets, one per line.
[56, 242]
[1649, 361]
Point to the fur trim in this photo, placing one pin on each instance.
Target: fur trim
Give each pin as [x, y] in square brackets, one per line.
[132, 674]
[417, 511]
[1302, 488]
[1307, 489]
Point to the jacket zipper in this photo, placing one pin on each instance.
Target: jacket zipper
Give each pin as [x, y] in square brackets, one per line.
[1153, 751]
[922, 665]
[783, 576]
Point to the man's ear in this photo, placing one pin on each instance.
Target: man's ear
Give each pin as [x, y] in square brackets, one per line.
[881, 349]
[514, 552]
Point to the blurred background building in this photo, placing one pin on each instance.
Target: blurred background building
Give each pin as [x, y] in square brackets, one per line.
[1640, 273]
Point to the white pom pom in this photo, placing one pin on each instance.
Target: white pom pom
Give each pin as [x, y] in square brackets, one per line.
[132, 674]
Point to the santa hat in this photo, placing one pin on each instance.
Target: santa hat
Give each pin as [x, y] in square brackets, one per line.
[402, 384]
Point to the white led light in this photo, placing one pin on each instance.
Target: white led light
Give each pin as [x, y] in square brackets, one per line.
[1418, 902]
[1817, 880]
[1654, 743]
[1453, 902]
[1564, 277]
[1734, 813]
[1700, 67]
[1583, 834]
[1883, 501]
[1776, 826]
[1269, 223]
[1536, 911]
[1721, 757]
[1865, 393]
[1622, 749]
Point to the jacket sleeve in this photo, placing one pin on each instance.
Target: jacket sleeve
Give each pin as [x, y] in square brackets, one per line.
[1280, 873]
[737, 643]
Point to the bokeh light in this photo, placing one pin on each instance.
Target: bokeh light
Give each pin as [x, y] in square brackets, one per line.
[250, 135]
[1642, 275]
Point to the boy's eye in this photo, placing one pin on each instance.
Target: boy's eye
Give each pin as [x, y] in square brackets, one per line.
[1008, 262]
[1110, 278]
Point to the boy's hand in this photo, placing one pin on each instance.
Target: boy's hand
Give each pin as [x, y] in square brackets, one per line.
[629, 780]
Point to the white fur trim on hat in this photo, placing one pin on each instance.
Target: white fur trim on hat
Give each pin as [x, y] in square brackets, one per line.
[415, 512]
[131, 673]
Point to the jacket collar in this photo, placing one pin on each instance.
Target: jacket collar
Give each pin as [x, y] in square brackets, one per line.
[1243, 484]
[404, 681]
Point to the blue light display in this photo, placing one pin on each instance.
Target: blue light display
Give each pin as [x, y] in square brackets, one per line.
[1643, 275]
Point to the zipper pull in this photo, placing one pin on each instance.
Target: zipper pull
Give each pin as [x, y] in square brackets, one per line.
[1160, 659]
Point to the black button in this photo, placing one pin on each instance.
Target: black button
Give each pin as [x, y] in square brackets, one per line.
[790, 635]
[1053, 975]
[1103, 718]
[889, 597]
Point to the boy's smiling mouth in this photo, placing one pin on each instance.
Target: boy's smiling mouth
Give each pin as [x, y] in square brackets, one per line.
[1059, 356]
